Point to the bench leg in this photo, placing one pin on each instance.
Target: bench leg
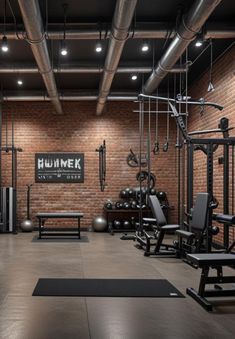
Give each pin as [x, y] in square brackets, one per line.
[202, 301]
[40, 228]
[199, 296]
[79, 237]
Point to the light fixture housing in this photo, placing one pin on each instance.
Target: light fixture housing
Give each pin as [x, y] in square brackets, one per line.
[210, 87]
[19, 82]
[4, 46]
[145, 47]
[98, 47]
[63, 48]
[134, 77]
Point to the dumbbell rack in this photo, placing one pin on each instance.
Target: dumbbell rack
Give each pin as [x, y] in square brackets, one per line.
[128, 213]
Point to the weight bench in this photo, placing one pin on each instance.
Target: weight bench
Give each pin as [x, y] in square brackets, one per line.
[205, 261]
[42, 217]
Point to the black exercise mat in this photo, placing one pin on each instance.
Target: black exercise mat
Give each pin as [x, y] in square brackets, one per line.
[106, 288]
[57, 239]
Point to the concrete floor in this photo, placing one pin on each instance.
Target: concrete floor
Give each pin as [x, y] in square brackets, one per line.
[25, 317]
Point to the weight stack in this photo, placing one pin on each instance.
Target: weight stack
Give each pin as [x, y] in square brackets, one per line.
[8, 210]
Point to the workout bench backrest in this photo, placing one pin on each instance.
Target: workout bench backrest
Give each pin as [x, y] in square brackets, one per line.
[157, 210]
[200, 212]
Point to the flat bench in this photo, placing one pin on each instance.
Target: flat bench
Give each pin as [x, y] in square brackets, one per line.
[42, 217]
[205, 261]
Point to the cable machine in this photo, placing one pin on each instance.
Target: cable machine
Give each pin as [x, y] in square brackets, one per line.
[208, 147]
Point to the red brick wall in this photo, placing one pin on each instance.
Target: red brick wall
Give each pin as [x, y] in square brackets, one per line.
[224, 94]
[37, 129]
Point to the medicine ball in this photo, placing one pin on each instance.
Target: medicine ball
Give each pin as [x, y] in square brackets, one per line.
[119, 205]
[153, 191]
[161, 195]
[133, 204]
[124, 194]
[99, 224]
[129, 192]
[126, 205]
[116, 224]
[108, 205]
[126, 224]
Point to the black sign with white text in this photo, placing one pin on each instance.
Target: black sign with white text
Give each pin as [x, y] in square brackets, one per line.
[59, 167]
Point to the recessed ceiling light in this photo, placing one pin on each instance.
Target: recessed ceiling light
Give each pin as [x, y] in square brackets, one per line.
[198, 43]
[134, 77]
[63, 48]
[145, 47]
[98, 47]
[19, 82]
[4, 46]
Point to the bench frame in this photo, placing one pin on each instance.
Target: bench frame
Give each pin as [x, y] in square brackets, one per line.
[42, 218]
[218, 291]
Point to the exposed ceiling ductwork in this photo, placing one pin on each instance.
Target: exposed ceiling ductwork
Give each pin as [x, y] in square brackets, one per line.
[187, 31]
[73, 96]
[36, 36]
[123, 15]
[157, 30]
[27, 69]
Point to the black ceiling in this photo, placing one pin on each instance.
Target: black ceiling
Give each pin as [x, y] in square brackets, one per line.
[83, 51]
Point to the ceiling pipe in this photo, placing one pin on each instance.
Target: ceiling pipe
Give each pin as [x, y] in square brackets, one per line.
[8, 69]
[35, 34]
[70, 97]
[158, 30]
[122, 18]
[188, 29]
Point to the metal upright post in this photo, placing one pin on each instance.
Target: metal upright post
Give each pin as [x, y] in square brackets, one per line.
[226, 192]
[190, 177]
[210, 191]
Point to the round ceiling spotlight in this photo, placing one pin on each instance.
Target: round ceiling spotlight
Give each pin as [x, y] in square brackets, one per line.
[63, 49]
[98, 47]
[19, 82]
[4, 46]
[145, 47]
[134, 77]
[198, 43]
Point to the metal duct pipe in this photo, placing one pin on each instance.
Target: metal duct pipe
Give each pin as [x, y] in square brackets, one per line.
[122, 18]
[189, 27]
[34, 27]
[70, 97]
[158, 30]
[24, 69]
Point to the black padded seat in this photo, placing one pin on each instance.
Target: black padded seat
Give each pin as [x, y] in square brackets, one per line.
[212, 259]
[184, 234]
[170, 227]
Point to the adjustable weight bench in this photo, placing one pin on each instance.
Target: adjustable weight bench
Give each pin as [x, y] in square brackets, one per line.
[205, 261]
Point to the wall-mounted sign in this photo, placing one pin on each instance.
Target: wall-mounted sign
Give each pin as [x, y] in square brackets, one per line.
[59, 167]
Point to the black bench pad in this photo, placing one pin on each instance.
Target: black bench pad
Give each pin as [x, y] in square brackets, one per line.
[60, 215]
[211, 259]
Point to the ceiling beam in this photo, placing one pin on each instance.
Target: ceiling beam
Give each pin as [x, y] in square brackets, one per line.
[122, 19]
[143, 30]
[36, 36]
[187, 31]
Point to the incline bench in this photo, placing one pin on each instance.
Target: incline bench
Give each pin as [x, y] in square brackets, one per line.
[205, 261]
[42, 217]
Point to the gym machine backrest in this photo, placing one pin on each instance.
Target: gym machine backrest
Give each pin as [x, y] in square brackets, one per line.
[157, 210]
[200, 213]
[193, 238]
